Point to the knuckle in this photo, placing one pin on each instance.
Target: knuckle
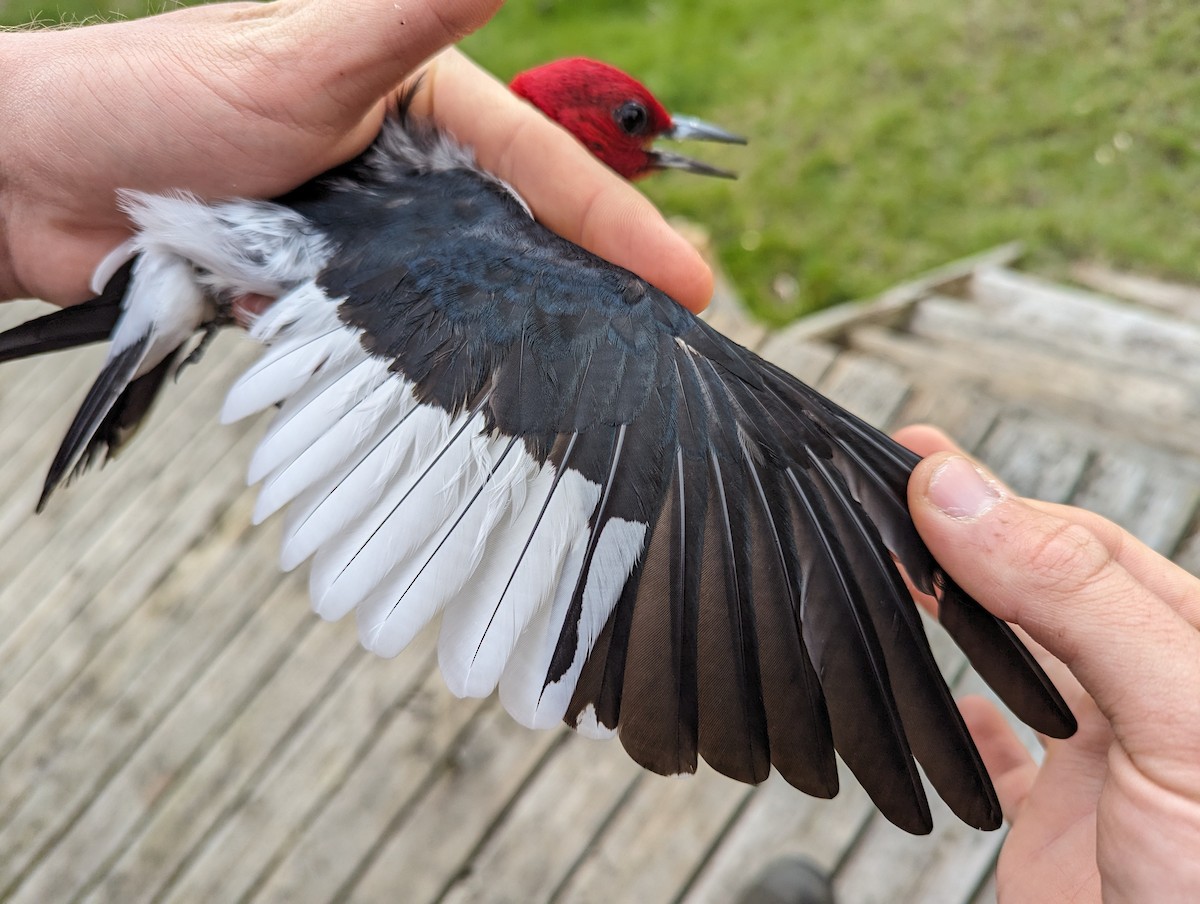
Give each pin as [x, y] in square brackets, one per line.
[1068, 558]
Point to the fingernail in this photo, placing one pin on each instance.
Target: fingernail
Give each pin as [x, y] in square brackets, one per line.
[961, 490]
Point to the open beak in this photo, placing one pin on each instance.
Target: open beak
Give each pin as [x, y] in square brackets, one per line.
[684, 128]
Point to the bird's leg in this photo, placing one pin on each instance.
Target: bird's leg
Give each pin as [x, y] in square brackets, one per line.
[210, 331]
[222, 317]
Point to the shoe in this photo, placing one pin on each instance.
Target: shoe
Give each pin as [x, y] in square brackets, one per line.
[794, 880]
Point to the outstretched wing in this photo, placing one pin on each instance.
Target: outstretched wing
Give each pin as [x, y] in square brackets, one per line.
[624, 519]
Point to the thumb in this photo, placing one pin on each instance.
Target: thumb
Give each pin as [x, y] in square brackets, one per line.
[1067, 586]
[371, 45]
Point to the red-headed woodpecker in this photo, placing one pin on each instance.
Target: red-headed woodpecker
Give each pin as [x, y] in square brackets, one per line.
[625, 520]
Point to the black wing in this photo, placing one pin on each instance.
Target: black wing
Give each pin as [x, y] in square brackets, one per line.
[728, 592]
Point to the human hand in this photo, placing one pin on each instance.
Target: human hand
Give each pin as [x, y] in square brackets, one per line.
[1113, 812]
[250, 99]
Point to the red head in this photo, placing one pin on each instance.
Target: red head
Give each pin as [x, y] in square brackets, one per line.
[613, 115]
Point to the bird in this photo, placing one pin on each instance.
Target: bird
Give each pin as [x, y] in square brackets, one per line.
[625, 521]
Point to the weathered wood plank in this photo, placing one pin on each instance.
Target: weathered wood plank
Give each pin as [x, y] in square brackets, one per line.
[331, 851]
[1173, 298]
[651, 849]
[778, 822]
[64, 630]
[892, 306]
[79, 844]
[139, 672]
[429, 843]
[872, 389]
[887, 866]
[334, 741]
[550, 825]
[961, 412]
[1149, 495]
[233, 761]
[1113, 397]
[71, 650]
[1092, 330]
[56, 562]
[1036, 457]
[1134, 404]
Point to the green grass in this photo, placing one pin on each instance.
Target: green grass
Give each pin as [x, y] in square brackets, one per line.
[890, 137]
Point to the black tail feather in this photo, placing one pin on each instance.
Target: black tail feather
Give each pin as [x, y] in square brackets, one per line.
[83, 439]
[126, 415]
[80, 324]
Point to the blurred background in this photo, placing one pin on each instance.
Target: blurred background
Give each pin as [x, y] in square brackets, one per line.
[890, 136]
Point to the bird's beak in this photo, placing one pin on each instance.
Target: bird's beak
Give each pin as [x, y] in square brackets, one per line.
[684, 128]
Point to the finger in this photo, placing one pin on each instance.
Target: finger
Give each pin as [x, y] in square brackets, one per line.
[1059, 581]
[925, 440]
[1174, 585]
[1009, 764]
[248, 308]
[369, 46]
[567, 188]
[1058, 673]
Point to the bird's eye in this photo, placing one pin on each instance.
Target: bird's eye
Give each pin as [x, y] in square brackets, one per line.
[632, 117]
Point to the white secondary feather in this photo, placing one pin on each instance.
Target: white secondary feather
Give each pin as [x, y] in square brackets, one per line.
[523, 690]
[311, 414]
[524, 679]
[422, 585]
[426, 460]
[335, 503]
[305, 310]
[303, 333]
[337, 474]
[516, 578]
[286, 368]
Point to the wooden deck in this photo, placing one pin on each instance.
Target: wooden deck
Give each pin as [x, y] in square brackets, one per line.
[176, 726]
